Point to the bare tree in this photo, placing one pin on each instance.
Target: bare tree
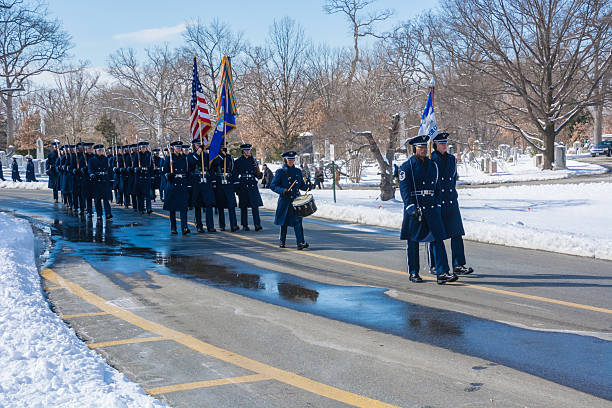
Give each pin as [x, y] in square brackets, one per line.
[361, 22]
[277, 89]
[30, 44]
[542, 55]
[155, 93]
[210, 42]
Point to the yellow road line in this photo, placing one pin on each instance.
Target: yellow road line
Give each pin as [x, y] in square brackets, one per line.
[206, 384]
[277, 374]
[72, 316]
[126, 341]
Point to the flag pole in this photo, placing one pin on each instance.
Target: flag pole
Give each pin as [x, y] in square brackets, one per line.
[432, 89]
[202, 154]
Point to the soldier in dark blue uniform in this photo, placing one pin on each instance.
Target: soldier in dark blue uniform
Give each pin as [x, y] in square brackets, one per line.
[203, 196]
[225, 196]
[80, 179]
[420, 190]
[287, 182]
[163, 181]
[52, 171]
[132, 184]
[158, 164]
[144, 171]
[245, 174]
[176, 170]
[30, 174]
[88, 185]
[15, 170]
[62, 174]
[451, 216]
[69, 176]
[100, 175]
[113, 160]
[124, 171]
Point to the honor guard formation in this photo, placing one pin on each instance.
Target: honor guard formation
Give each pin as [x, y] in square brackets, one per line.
[186, 178]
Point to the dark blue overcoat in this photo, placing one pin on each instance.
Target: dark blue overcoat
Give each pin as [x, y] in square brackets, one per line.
[144, 173]
[415, 177]
[100, 176]
[203, 192]
[177, 196]
[245, 174]
[30, 175]
[51, 170]
[451, 216]
[283, 178]
[225, 195]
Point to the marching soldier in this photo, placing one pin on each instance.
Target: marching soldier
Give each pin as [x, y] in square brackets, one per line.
[451, 216]
[114, 164]
[245, 174]
[80, 179]
[68, 176]
[132, 184]
[87, 183]
[158, 164]
[420, 190]
[144, 171]
[51, 169]
[30, 174]
[287, 182]
[99, 173]
[203, 196]
[225, 196]
[176, 170]
[163, 182]
[61, 179]
[124, 172]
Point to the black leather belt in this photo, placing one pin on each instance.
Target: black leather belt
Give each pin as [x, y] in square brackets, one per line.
[422, 193]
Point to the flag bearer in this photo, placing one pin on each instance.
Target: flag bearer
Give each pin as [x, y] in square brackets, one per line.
[203, 197]
[225, 196]
[176, 170]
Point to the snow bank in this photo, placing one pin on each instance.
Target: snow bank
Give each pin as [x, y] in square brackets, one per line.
[566, 218]
[37, 185]
[43, 363]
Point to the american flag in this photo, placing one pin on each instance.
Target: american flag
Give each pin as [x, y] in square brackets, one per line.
[200, 116]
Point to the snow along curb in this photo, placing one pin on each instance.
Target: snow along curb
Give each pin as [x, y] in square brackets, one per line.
[43, 362]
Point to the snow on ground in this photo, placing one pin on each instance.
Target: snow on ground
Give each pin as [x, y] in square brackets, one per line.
[43, 362]
[523, 170]
[566, 218]
[37, 185]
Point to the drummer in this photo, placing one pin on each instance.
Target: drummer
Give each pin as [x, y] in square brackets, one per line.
[287, 182]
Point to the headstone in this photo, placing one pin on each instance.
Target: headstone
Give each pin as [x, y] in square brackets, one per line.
[3, 160]
[492, 167]
[482, 165]
[451, 149]
[538, 161]
[487, 164]
[560, 158]
[40, 152]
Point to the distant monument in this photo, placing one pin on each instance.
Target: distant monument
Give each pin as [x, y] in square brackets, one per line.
[40, 151]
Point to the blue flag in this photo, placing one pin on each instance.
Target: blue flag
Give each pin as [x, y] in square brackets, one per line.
[226, 109]
[229, 123]
[428, 120]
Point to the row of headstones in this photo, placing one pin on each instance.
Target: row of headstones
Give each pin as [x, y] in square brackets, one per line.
[39, 165]
[560, 162]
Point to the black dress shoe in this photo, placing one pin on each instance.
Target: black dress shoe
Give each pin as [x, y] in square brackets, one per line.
[200, 230]
[462, 270]
[149, 211]
[173, 232]
[185, 231]
[414, 277]
[211, 230]
[236, 228]
[221, 228]
[245, 228]
[258, 228]
[432, 270]
[109, 216]
[447, 277]
[281, 245]
[303, 245]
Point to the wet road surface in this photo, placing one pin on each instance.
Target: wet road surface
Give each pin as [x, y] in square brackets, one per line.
[130, 249]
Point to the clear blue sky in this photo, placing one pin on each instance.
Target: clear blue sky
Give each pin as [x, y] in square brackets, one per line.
[98, 28]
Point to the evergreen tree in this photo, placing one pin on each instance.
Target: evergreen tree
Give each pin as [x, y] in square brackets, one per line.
[107, 128]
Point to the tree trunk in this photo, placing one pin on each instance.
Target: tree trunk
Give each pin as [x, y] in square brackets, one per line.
[387, 189]
[10, 121]
[549, 146]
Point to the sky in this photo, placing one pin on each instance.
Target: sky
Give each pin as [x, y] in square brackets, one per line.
[98, 28]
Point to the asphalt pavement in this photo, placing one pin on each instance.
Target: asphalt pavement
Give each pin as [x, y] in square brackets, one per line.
[227, 320]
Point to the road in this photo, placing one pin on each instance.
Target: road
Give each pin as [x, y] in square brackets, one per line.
[228, 320]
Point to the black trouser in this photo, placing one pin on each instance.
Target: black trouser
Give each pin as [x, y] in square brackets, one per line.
[232, 217]
[183, 220]
[210, 223]
[244, 216]
[55, 194]
[299, 233]
[144, 200]
[107, 208]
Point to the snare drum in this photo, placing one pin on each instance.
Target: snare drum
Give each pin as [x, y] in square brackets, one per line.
[304, 205]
